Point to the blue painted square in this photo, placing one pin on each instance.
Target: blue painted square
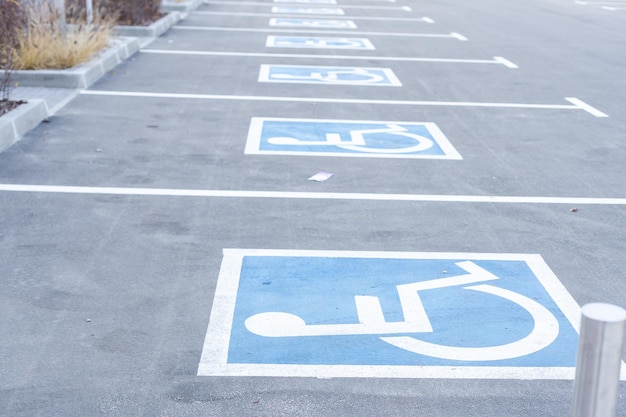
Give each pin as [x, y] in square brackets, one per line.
[321, 292]
[390, 315]
[358, 76]
[313, 23]
[308, 10]
[319, 42]
[348, 138]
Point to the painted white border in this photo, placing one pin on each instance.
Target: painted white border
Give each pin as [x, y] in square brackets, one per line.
[270, 43]
[264, 76]
[368, 46]
[339, 24]
[307, 1]
[452, 35]
[214, 357]
[253, 142]
[303, 195]
[301, 9]
[424, 19]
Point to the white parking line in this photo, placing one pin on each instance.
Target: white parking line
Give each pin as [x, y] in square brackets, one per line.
[453, 35]
[586, 107]
[496, 60]
[394, 19]
[505, 62]
[352, 6]
[435, 198]
[577, 104]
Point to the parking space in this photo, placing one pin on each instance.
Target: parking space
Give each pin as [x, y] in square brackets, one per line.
[164, 246]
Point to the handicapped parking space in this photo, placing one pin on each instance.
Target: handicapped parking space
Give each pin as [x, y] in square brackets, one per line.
[213, 144]
[168, 264]
[333, 78]
[436, 46]
[336, 313]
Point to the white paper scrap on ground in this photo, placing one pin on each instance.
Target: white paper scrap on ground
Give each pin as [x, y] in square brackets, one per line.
[321, 176]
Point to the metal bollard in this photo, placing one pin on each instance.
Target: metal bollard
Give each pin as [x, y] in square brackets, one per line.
[599, 358]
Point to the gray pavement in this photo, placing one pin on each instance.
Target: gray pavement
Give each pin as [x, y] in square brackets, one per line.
[117, 212]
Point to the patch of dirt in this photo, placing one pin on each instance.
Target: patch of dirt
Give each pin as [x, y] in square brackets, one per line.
[8, 105]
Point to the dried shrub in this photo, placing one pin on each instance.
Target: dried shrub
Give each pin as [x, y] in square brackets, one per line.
[125, 12]
[46, 44]
[12, 23]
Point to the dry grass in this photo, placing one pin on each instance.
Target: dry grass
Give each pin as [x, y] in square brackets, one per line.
[44, 45]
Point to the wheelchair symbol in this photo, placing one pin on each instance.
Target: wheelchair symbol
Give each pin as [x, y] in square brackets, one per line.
[357, 75]
[371, 321]
[358, 141]
[314, 23]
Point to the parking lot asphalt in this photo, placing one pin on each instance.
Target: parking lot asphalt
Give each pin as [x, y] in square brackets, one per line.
[123, 216]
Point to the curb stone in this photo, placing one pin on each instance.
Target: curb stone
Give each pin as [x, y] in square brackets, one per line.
[20, 120]
[83, 75]
[25, 117]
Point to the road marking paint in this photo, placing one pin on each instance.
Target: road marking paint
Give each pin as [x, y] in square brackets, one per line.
[268, 320]
[505, 62]
[307, 74]
[298, 195]
[308, 10]
[307, 1]
[346, 101]
[394, 19]
[496, 60]
[586, 107]
[348, 138]
[312, 23]
[340, 32]
[352, 6]
[458, 36]
[319, 42]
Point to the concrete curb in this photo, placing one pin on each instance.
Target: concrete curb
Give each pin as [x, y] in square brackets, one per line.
[25, 117]
[20, 120]
[84, 75]
[154, 30]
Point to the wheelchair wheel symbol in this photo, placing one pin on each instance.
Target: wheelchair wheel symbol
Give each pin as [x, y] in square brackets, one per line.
[372, 321]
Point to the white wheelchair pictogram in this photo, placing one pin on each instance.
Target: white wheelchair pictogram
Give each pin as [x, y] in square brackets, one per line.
[356, 75]
[371, 321]
[358, 141]
[314, 23]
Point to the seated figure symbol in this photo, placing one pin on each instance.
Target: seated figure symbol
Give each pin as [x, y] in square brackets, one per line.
[371, 321]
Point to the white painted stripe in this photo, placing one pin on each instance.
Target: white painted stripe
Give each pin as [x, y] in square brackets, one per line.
[315, 56]
[255, 3]
[347, 371]
[505, 62]
[335, 32]
[586, 107]
[223, 309]
[394, 19]
[169, 192]
[458, 36]
[331, 100]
